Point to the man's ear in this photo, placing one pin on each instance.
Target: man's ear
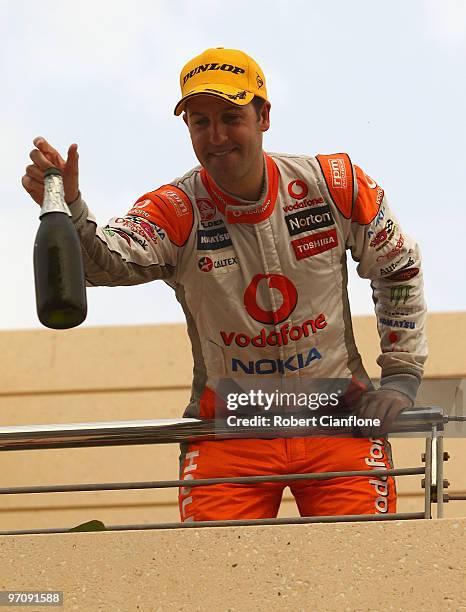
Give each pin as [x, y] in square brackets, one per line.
[265, 117]
[185, 118]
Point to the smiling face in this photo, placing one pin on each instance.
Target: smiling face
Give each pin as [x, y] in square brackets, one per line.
[227, 141]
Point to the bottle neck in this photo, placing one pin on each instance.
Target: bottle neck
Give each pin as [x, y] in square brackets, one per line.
[54, 196]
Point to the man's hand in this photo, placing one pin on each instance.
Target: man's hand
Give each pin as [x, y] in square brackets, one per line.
[383, 404]
[45, 156]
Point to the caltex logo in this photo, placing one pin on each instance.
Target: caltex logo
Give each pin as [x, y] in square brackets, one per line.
[205, 264]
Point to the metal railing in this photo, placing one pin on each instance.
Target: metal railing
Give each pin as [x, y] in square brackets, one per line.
[429, 421]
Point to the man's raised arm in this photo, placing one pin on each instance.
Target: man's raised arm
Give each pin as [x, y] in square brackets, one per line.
[131, 249]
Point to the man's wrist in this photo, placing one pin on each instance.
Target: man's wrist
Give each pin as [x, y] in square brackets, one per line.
[75, 199]
[403, 383]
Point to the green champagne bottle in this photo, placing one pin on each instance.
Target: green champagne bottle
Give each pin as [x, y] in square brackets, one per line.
[58, 265]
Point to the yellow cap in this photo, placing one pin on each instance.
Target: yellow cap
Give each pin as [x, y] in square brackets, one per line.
[226, 73]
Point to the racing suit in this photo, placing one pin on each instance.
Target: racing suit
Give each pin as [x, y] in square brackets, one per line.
[263, 288]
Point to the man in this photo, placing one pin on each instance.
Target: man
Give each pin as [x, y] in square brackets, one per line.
[254, 246]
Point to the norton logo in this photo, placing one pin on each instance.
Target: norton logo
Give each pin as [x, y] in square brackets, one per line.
[212, 66]
[206, 208]
[298, 189]
[205, 264]
[276, 282]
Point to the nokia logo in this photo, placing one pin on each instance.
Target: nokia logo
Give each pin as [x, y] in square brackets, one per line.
[273, 366]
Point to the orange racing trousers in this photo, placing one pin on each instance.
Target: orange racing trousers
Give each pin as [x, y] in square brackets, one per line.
[281, 456]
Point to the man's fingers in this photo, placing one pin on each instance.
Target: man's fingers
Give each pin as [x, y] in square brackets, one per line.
[41, 160]
[49, 152]
[72, 162]
[73, 151]
[71, 174]
[34, 188]
[34, 172]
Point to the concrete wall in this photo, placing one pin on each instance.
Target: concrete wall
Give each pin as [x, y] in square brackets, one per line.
[402, 565]
[126, 373]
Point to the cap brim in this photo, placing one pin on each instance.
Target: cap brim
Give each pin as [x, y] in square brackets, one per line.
[230, 94]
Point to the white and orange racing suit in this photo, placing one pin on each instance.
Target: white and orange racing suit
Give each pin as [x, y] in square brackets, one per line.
[263, 286]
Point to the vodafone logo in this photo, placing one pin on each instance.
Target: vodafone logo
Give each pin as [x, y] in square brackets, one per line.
[298, 189]
[273, 281]
[142, 204]
[370, 182]
[205, 264]
[206, 208]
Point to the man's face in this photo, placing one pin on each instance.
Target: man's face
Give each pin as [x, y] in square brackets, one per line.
[226, 138]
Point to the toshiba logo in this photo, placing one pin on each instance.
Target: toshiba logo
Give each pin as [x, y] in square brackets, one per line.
[338, 171]
[213, 66]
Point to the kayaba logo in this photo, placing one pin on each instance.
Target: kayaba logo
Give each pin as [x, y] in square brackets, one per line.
[212, 240]
[212, 66]
[277, 282]
[274, 366]
[275, 338]
[306, 221]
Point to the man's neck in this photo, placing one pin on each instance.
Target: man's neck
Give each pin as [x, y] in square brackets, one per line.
[249, 188]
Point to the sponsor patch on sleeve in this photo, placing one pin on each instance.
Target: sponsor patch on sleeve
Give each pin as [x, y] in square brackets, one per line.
[370, 196]
[338, 174]
[404, 275]
[170, 212]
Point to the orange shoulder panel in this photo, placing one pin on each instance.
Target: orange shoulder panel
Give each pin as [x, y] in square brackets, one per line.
[338, 173]
[169, 208]
[370, 196]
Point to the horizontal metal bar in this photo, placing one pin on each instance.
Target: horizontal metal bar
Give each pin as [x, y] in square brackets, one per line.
[456, 497]
[118, 433]
[245, 523]
[166, 484]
